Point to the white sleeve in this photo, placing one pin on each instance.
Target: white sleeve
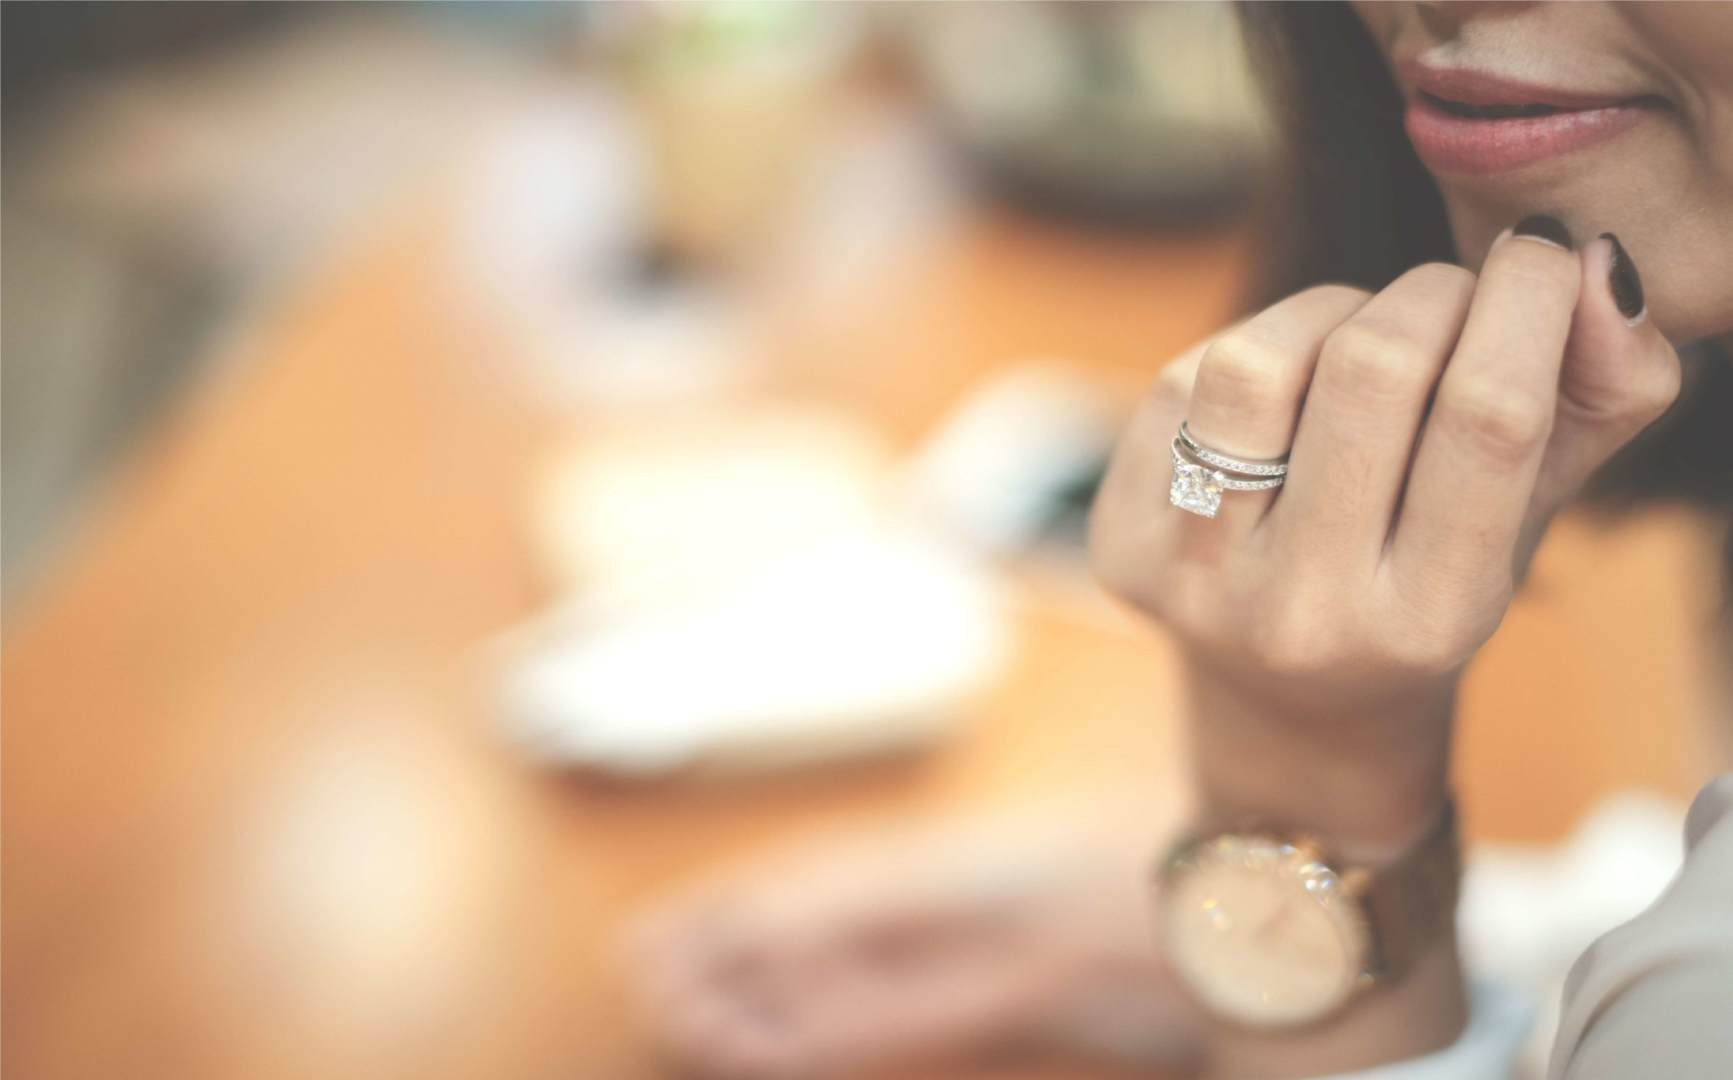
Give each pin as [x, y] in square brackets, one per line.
[1655, 996]
[1651, 998]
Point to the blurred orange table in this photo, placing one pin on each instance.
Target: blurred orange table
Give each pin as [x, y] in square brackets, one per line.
[256, 824]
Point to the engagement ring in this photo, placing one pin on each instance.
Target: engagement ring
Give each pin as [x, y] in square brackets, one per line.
[1200, 475]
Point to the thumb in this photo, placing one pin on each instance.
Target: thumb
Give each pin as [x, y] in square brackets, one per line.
[1619, 374]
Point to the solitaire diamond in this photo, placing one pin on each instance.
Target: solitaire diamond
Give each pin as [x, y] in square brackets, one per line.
[1196, 489]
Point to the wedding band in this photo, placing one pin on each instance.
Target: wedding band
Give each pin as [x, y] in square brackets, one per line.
[1222, 479]
[1250, 466]
[1197, 488]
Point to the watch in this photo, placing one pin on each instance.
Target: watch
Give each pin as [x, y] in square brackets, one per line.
[1267, 930]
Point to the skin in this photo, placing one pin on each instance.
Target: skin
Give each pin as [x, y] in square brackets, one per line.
[1435, 428]
[1666, 190]
[1327, 624]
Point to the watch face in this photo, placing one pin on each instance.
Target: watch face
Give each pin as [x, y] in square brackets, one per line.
[1261, 930]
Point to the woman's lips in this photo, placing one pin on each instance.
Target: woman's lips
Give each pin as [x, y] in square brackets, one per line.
[1450, 143]
[1449, 124]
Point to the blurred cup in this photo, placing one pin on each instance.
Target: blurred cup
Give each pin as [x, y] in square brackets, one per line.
[731, 96]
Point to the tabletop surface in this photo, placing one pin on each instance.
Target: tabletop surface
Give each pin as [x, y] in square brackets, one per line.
[257, 823]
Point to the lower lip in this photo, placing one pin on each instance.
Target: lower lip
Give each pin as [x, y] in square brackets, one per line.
[1450, 143]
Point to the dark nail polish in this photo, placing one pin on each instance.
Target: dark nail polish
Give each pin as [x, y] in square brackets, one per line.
[1544, 227]
[1623, 281]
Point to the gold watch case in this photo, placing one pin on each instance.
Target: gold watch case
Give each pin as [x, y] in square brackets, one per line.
[1268, 932]
[1263, 930]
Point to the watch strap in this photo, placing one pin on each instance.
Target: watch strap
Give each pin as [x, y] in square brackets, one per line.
[1411, 902]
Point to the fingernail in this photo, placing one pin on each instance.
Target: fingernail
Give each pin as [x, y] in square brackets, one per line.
[1546, 228]
[1624, 283]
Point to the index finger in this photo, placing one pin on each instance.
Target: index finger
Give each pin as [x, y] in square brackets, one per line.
[1474, 471]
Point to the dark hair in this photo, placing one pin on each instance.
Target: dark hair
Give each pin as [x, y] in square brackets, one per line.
[1355, 205]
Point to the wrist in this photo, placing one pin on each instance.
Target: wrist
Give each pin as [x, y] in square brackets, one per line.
[1369, 781]
[1367, 778]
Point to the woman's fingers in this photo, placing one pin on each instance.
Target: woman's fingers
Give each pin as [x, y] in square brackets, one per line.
[1619, 374]
[1480, 452]
[1130, 522]
[1368, 396]
[1470, 457]
[1251, 379]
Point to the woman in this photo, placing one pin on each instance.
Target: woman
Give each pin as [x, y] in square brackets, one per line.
[1431, 419]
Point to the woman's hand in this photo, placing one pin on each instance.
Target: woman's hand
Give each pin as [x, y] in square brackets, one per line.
[1434, 429]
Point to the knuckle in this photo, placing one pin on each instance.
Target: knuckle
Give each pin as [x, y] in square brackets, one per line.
[1103, 567]
[1502, 423]
[1241, 365]
[1277, 653]
[1442, 277]
[1288, 641]
[1104, 533]
[1445, 623]
[1173, 385]
[1648, 394]
[1289, 657]
[1336, 294]
[1422, 654]
[1636, 401]
[1622, 391]
[1107, 565]
[1120, 544]
[1660, 391]
[1190, 607]
[1375, 359]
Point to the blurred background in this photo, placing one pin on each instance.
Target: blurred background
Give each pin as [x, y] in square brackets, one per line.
[472, 468]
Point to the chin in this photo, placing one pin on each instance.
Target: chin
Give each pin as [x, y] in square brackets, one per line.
[1685, 279]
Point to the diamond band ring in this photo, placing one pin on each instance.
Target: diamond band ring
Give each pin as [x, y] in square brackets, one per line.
[1197, 487]
[1248, 466]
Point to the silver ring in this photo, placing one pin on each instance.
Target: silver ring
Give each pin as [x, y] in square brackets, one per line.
[1250, 466]
[1197, 488]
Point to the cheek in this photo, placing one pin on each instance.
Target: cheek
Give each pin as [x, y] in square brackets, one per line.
[1692, 40]
[1379, 18]
[1675, 217]
[1694, 43]
[1688, 278]
[1689, 247]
